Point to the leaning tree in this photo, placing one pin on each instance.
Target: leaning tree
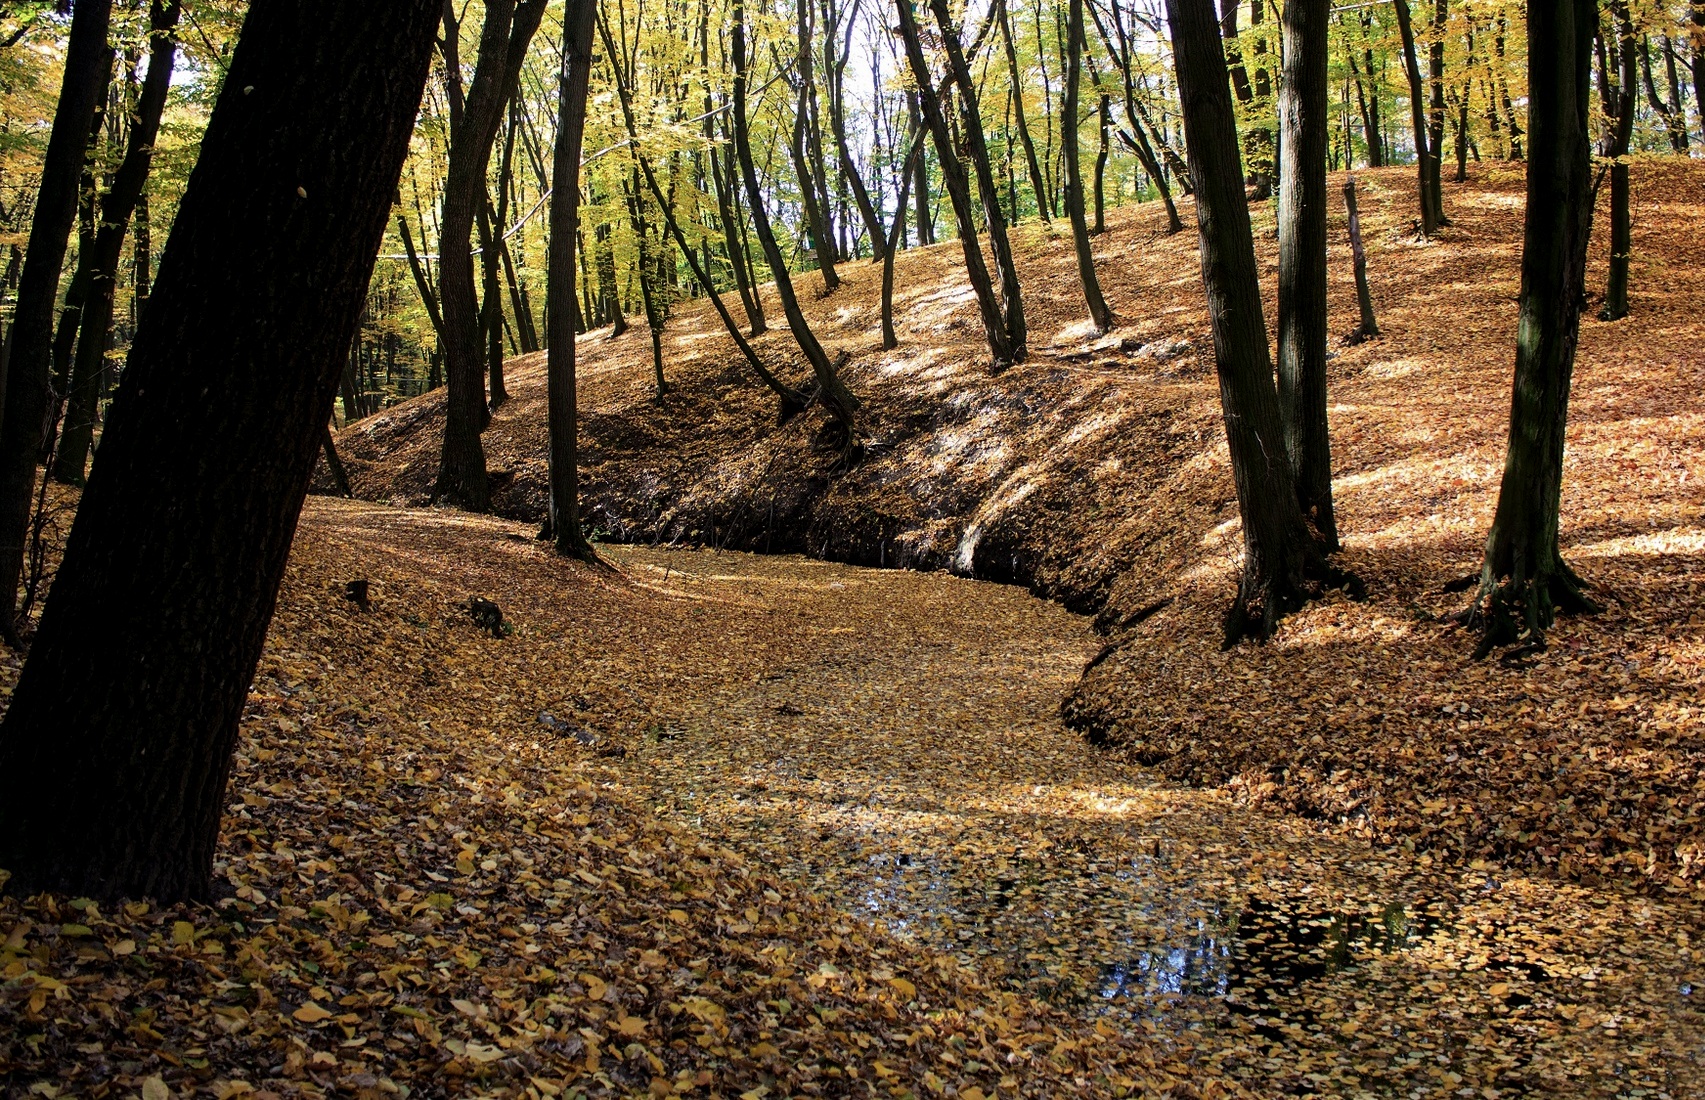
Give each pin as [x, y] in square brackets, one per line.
[1524, 581]
[116, 750]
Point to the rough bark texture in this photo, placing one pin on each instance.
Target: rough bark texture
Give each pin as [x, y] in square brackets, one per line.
[1281, 562]
[117, 745]
[1302, 260]
[1524, 581]
[1418, 120]
[507, 29]
[1368, 327]
[1099, 314]
[89, 366]
[578, 19]
[24, 375]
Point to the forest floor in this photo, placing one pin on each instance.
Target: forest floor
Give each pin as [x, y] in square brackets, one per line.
[1097, 474]
[715, 824]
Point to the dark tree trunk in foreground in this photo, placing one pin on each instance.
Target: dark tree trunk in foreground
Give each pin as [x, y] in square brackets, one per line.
[839, 400]
[1617, 100]
[1302, 260]
[578, 19]
[89, 366]
[1282, 563]
[1099, 315]
[958, 191]
[1524, 581]
[24, 387]
[507, 29]
[117, 746]
[1432, 206]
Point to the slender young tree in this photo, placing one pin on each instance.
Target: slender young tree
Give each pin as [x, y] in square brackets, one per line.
[1617, 100]
[89, 366]
[575, 75]
[508, 28]
[1524, 581]
[831, 391]
[1302, 260]
[958, 187]
[1014, 73]
[116, 749]
[26, 363]
[1283, 564]
[1099, 314]
[1426, 155]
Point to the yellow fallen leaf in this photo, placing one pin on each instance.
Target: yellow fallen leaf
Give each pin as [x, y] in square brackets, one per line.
[631, 1026]
[309, 1013]
[595, 986]
[904, 988]
[153, 1088]
[183, 932]
[1499, 989]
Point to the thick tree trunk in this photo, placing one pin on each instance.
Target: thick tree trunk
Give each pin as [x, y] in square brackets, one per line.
[1282, 562]
[89, 366]
[562, 414]
[1524, 581]
[1302, 261]
[831, 391]
[958, 192]
[504, 36]
[1099, 314]
[117, 746]
[24, 385]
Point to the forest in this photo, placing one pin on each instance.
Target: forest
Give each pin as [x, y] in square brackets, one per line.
[916, 549]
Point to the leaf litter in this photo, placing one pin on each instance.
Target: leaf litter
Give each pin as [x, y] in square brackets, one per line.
[846, 848]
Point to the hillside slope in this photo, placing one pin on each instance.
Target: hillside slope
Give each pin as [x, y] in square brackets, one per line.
[1097, 474]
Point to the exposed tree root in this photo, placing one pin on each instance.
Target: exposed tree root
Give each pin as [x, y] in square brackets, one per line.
[1262, 600]
[1518, 610]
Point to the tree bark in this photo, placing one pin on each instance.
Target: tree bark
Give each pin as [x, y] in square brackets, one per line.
[1369, 327]
[89, 366]
[117, 746]
[561, 407]
[1418, 119]
[1282, 563]
[958, 191]
[1524, 581]
[1436, 112]
[810, 194]
[896, 235]
[504, 36]
[1302, 260]
[831, 391]
[1099, 314]
[1617, 101]
[1038, 184]
[24, 377]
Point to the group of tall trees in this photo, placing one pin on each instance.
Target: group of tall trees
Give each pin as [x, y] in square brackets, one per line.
[735, 156]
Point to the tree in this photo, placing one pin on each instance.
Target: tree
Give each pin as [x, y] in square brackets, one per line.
[24, 374]
[474, 122]
[117, 746]
[1283, 565]
[575, 75]
[1302, 260]
[958, 187]
[1524, 581]
[1617, 100]
[89, 366]
[1037, 183]
[831, 391]
[1427, 168]
[1099, 314]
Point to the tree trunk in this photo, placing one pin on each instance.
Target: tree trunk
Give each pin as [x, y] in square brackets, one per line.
[1302, 260]
[958, 192]
[1137, 139]
[896, 235]
[810, 193]
[507, 30]
[971, 123]
[1418, 119]
[1617, 102]
[1281, 560]
[920, 190]
[334, 464]
[117, 745]
[1037, 182]
[1436, 112]
[1364, 300]
[839, 400]
[24, 385]
[575, 75]
[1099, 314]
[1104, 127]
[123, 192]
[1524, 581]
